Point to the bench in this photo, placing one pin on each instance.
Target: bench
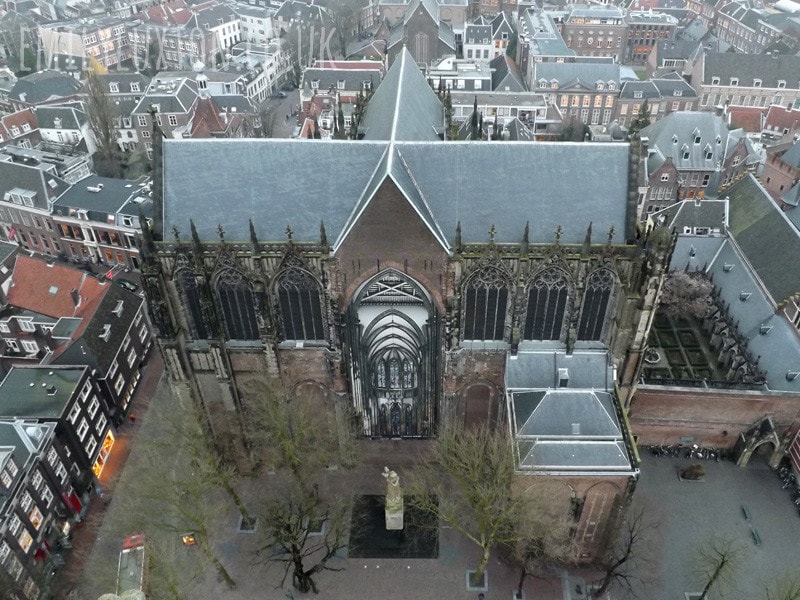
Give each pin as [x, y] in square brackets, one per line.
[756, 537]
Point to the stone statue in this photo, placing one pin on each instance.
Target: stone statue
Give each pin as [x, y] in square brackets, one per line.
[394, 500]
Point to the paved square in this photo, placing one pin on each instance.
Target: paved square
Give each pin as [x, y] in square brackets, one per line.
[691, 512]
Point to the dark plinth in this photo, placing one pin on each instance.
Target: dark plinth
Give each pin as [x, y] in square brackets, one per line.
[369, 537]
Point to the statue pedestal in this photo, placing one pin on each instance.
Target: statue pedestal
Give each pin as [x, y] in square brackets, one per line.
[394, 519]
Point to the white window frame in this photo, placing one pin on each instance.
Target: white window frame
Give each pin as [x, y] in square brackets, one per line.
[26, 325]
[30, 346]
[82, 429]
[93, 406]
[90, 447]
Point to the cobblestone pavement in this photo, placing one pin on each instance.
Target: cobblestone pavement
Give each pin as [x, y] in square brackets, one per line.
[691, 512]
[91, 569]
[86, 532]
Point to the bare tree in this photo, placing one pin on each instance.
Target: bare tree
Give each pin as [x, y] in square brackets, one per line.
[344, 15]
[298, 436]
[172, 500]
[625, 562]
[467, 483]
[103, 124]
[545, 535]
[717, 562]
[785, 588]
[188, 435]
[686, 294]
[304, 533]
[292, 431]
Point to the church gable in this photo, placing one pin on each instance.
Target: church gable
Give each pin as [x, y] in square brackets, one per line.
[390, 232]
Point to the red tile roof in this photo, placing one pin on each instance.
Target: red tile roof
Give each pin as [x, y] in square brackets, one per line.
[212, 121]
[749, 118]
[46, 289]
[780, 118]
[168, 13]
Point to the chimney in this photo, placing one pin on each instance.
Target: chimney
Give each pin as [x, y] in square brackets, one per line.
[76, 298]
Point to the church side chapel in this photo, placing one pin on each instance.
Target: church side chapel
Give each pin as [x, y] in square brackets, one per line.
[398, 278]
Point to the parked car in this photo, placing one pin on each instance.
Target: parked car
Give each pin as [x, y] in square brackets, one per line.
[127, 284]
[279, 94]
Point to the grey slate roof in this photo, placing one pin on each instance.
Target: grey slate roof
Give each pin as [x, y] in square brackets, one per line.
[328, 79]
[728, 264]
[404, 107]
[282, 182]
[573, 428]
[688, 213]
[95, 351]
[584, 73]
[506, 75]
[748, 67]
[766, 237]
[674, 134]
[31, 177]
[792, 156]
[44, 85]
[645, 90]
[68, 116]
[114, 195]
[533, 369]
[23, 395]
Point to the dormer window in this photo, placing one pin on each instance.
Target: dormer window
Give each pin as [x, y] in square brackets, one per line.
[135, 86]
[696, 136]
[315, 84]
[113, 88]
[709, 153]
[685, 151]
[734, 81]
[756, 83]
[677, 93]
[600, 85]
[105, 334]
[781, 84]
[715, 81]
[340, 84]
[554, 84]
[542, 83]
[637, 94]
[611, 85]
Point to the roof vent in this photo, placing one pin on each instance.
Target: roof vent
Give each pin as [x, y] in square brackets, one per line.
[727, 267]
[792, 375]
[563, 378]
[765, 329]
[576, 429]
[743, 296]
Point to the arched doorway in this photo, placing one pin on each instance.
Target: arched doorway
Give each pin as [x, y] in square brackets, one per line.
[481, 405]
[393, 344]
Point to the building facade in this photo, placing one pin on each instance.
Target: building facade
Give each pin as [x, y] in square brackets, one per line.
[391, 307]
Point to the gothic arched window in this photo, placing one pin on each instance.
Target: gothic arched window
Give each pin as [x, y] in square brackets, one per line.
[547, 303]
[187, 284]
[596, 299]
[300, 307]
[486, 304]
[236, 300]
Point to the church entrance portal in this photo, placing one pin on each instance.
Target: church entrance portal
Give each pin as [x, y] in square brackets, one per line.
[393, 344]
